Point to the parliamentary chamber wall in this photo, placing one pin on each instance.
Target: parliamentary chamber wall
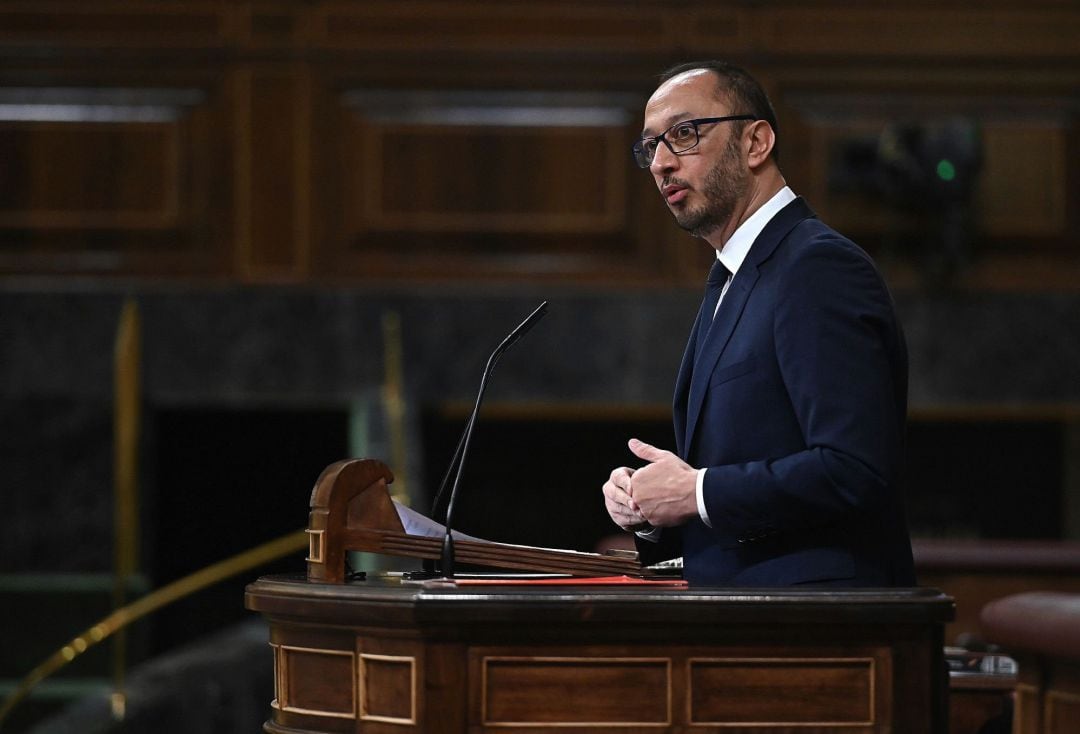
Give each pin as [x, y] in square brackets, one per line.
[325, 214]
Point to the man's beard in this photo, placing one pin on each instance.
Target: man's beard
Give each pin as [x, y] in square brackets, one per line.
[724, 186]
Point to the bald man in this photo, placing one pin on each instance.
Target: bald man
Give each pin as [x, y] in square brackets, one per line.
[790, 403]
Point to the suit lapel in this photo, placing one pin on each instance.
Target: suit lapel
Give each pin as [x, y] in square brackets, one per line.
[682, 386]
[727, 317]
[698, 364]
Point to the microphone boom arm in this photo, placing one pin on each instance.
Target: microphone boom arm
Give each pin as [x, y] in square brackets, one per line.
[463, 445]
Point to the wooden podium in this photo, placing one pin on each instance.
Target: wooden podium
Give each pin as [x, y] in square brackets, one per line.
[384, 655]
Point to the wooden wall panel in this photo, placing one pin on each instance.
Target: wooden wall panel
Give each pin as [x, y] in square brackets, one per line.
[111, 25]
[714, 688]
[276, 24]
[388, 685]
[106, 179]
[315, 681]
[518, 182]
[1021, 190]
[391, 25]
[817, 692]
[476, 179]
[87, 174]
[272, 159]
[911, 32]
[289, 168]
[531, 691]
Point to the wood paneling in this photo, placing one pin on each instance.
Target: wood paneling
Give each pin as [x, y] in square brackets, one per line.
[1020, 192]
[471, 181]
[1023, 190]
[89, 175]
[272, 160]
[114, 24]
[301, 157]
[316, 682]
[632, 659]
[554, 691]
[388, 24]
[1062, 712]
[500, 180]
[388, 688]
[917, 33]
[824, 691]
[108, 179]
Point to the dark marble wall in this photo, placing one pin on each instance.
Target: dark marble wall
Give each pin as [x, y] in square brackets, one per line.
[993, 349]
[278, 346]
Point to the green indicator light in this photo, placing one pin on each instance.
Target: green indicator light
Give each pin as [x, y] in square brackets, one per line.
[946, 171]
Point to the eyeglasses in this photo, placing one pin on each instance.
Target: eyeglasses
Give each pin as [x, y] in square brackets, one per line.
[679, 138]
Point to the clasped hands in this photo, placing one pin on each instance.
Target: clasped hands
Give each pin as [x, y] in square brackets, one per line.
[663, 493]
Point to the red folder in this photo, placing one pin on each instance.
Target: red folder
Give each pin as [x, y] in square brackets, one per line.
[569, 581]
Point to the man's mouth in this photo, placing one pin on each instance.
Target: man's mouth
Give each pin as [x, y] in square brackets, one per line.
[674, 193]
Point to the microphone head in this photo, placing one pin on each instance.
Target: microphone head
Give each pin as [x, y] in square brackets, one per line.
[532, 318]
[520, 331]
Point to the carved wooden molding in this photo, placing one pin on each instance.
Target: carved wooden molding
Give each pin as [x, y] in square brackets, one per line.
[388, 683]
[315, 682]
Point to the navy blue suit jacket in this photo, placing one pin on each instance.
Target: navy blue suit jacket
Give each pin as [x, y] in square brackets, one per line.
[796, 403]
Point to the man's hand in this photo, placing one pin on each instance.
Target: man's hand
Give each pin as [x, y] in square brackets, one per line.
[620, 505]
[664, 491]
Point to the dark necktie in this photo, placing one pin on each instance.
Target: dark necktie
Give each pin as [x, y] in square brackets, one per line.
[714, 286]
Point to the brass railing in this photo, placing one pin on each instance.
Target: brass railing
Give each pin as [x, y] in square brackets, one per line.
[153, 601]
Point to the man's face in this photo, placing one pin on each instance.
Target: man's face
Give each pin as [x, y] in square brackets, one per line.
[702, 186]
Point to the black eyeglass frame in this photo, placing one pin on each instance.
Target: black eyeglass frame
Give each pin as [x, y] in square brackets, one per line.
[638, 148]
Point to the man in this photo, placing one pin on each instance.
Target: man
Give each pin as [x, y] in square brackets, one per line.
[791, 399]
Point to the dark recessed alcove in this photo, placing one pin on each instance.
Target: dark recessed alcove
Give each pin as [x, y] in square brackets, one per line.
[537, 480]
[225, 480]
[995, 479]
[222, 480]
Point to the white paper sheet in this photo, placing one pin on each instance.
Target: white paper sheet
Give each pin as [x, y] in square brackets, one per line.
[425, 527]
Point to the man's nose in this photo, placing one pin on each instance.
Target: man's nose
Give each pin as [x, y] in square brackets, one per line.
[664, 161]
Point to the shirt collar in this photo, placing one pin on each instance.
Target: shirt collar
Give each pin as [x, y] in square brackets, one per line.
[738, 245]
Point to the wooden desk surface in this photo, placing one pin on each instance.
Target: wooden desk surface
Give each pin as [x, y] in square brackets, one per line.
[388, 600]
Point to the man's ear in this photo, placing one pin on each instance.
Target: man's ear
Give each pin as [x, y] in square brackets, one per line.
[762, 139]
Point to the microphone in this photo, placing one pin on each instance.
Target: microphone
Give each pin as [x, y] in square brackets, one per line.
[462, 449]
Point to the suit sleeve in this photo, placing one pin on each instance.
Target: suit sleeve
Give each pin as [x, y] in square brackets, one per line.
[842, 363]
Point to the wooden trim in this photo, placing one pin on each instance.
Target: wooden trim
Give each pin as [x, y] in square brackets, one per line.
[570, 659]
[284, 695]
[413, 691]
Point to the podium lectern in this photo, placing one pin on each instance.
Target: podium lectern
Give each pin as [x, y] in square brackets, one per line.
[382, 655]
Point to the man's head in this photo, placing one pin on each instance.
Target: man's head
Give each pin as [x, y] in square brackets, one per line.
[734, 82]
[708, 141]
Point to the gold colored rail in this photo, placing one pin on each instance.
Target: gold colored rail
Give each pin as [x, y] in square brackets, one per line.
[153, 601]
[127, 381]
